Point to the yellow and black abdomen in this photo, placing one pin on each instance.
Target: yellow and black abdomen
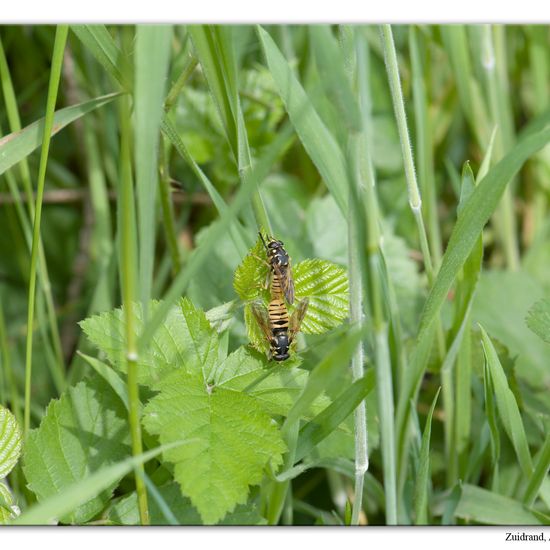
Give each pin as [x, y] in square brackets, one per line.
[278, 314]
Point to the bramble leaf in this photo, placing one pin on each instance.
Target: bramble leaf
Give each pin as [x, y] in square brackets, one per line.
[322, 282]
[10, 442]
[251, 275]
[231, 440]
[326, 286]
[82, 431]
[126, 512]
[185, 340]
[8, 509]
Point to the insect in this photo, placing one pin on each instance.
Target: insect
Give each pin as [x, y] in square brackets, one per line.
[279, 263]
[279, 329]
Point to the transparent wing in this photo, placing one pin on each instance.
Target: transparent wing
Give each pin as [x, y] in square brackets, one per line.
[287, 282]
[260, 314]
[296, 318]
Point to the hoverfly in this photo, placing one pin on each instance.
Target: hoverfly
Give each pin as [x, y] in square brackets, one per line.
[279, 263]
[279, 329]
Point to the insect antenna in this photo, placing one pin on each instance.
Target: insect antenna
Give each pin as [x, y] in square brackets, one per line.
[263, 241]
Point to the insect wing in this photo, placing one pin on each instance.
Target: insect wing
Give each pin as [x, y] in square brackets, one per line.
[287, 282]
[260, 314]
[297, 318]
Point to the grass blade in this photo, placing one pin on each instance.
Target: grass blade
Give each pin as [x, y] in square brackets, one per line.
[421, 487]
[15, 147]
[542, 463]
[314, 135]
[324, 375]
[100, 43]
[330, 418]
[55, 76]
[468, 228]
[482, 506]
[152, 56]
[507, 407]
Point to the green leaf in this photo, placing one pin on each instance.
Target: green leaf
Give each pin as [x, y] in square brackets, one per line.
[99, 42]
[275, 389]
[323, 283]
[8, 509]
[538, 319]
[476, 212]
[333, 77]
[251, 275]
[10, 442]
[330, 418]
[325, 374]
[422, 478]
[125, 511]
[483, 506]
[507, 407]
[81, 491]
[15, 147]
[326, 286]
[152, 57]
[314, 135]
[501, 304]
[234, 440]
[184, 340]
[83, 431]
[118, 385]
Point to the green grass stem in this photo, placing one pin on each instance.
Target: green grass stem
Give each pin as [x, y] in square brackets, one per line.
[55, 76]
[128, 281]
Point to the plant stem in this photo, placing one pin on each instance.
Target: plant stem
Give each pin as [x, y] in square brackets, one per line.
[384, 375]
[424, 143]
[55, 76]
[415, 200]
[492, 61]
[356, 317]
[128, 264]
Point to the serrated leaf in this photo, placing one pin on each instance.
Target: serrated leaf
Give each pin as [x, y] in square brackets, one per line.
[275, 389]
[538, 319]
[251, 275]
[56, 506]
[184, 340]
[234, 440]
[8, 509]
[82, 431]
[10, 442]
[126, 512]
[326, 286]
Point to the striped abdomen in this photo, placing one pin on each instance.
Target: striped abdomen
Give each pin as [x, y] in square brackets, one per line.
[278, 314]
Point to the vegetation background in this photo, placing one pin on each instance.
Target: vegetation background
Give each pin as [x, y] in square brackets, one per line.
[414, 156]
